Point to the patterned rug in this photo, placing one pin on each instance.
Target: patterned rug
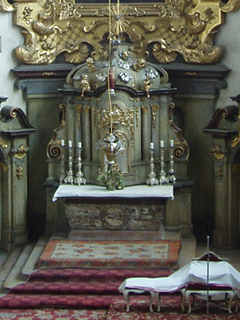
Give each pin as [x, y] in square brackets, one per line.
[110, 254]
[170, 310]
[53, 314]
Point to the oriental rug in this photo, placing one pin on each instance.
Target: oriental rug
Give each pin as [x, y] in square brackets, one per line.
[170, 310]
[110, 254]
[60, 314]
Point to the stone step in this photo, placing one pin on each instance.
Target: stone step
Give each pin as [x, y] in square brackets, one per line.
[16, 277]
[7, 267]
[25, 264]
[32, 261]
[3, 258]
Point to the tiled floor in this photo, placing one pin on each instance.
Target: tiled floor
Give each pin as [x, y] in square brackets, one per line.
[191, 250]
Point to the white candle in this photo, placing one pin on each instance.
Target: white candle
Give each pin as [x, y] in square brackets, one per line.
[162, 144]
[62, 143]
[70, 143]
[151, 145]
[80, 145]
[171, 143]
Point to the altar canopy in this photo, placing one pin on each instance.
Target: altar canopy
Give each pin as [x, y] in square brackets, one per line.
[221, 273]
[94, 191]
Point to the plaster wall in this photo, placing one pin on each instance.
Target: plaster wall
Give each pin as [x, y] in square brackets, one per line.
[229, 38]
[10, 38]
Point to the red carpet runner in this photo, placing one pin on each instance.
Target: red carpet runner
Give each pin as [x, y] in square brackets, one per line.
[88, 278]
[71, 288]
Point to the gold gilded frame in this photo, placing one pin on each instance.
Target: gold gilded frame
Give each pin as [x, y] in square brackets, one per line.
[164, 30]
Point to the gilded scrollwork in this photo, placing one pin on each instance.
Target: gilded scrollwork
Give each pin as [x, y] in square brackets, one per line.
[230, 6]
[19, 172]
[20, 152]
[181, 147]
[5, 6]
[54, 150]
[219, 154]
[119, 117]
[168, 29]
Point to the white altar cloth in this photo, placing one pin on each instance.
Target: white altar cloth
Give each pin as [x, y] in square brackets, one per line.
[94, 191]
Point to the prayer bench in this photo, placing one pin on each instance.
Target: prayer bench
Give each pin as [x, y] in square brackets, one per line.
[214, 294]
[222, 284]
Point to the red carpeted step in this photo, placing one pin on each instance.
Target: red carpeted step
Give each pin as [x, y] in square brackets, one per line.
[55, 301]
[61, 287]
[72, 288]
[98, 273]
[80, 281]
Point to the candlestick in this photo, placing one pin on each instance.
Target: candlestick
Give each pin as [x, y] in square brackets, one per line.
[79, 178]
[152, 176]
[62, 143]
[172, 177]
[69, 177]
[63, 174]
[163, 178]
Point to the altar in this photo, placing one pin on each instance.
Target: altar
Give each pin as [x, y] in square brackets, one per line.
[117, 154]
[118, 214]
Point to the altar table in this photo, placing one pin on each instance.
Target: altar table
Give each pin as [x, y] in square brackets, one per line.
[128, 211]
[94, 191]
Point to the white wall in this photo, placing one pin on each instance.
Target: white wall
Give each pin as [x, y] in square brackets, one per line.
[228, 37]
[10, 39]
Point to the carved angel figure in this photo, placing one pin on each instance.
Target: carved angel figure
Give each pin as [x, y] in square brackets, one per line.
[146, 86]
[85, 84]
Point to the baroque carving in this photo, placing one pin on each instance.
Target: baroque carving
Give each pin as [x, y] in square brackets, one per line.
[114, 216]
[20, 152]
[167, 29]
[5, 6]
[181, 147]
[218, 153]
[54, 150]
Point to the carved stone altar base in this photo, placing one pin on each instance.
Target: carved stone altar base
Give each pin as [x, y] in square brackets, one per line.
[120, 214]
